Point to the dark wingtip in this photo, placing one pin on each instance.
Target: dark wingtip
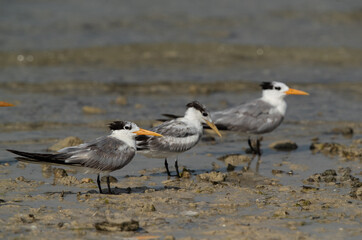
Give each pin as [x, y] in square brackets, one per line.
[266, 85]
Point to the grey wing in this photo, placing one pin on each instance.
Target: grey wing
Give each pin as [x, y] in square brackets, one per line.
[177, 137]
[104, 154]
[252, 117]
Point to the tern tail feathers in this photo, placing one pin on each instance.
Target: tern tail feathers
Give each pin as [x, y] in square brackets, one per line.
[41, 157]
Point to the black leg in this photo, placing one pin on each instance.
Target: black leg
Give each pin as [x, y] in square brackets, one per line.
[109, 185]
[166, 166]
[176, 167]
[251, 145]
[258, 143]
[258, 164]
[99, 184]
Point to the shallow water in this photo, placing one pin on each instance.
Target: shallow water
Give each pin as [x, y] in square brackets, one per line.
[58, 56]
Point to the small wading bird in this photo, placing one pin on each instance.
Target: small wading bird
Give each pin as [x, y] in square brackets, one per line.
[259, 116]
[103, 155]
[5, 104]
[179, 135]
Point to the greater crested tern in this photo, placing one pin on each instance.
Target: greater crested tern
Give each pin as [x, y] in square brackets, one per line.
[259, 116]
[179, 135]
[103, 155]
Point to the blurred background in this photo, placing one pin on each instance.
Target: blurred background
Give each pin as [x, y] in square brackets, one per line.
[71, 67]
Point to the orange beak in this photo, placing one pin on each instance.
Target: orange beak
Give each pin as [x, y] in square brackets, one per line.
[5, 104]
[295, 92]
[146, 132]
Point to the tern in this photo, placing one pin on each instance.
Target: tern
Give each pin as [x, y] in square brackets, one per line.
[5, 104]
[103, 155]
[179, 135]
[259, 116]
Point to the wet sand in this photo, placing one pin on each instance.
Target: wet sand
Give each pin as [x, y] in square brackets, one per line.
[95, 63]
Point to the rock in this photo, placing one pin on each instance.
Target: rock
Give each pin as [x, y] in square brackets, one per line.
[121, 100]
[329, 172]
[235, 159]
[148, 208]
[111, 179]
[356, 193]
[131, 225]
[92, 110]
[68, 180]
[66, 142]
[214, 177]
[343, 130]
[284, 145]
[185, 173]
[87, 180]
[230, 168]
[59, 173]
[277, 172]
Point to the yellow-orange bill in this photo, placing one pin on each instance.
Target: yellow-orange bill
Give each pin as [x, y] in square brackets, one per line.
[296, 92]
[5, 104]
[146, 132]
[213, 127]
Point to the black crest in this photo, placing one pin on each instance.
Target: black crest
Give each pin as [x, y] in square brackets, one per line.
[196, 105]
[266, 85]
[117, 125]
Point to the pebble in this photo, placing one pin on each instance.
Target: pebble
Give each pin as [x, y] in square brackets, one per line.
[121, 100]
[343, 130]
[111, 179]
[131, 225]
[235, 159]
[284, 145]
[215, 177]
[66, 142]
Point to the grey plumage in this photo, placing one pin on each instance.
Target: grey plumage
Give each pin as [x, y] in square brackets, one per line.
[178, 136]
[255, 117]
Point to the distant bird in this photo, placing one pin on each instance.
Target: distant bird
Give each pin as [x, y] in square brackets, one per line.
[259, 116]
[5, 104]
[103, 155]
[179, 135]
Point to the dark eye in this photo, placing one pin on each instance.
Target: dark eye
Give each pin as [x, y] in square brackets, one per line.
[127, 127]
[277, 88]
[204, 114]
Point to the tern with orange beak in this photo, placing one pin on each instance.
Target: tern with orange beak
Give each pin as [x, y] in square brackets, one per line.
[103, 155]
[179, 135]
[259, 116]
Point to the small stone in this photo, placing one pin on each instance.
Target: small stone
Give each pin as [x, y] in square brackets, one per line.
[329, 172]
[149, 208]
[131, 225]
[343, 130]
[92, 110]
[277, 172]
[20, 179]
[235, 159]
[186, 174]
[284, 145]
[111, 179]
[230, 168]
[59, 173]
[21, 165]
[121, 100]
[66, 142]
[87, 180]
[68, 180]
[214, 177]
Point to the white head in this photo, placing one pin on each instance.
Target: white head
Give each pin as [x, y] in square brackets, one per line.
[128, 130]
[276, 91]
[197, 111]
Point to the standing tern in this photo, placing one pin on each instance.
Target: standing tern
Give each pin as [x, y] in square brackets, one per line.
[103, 155]
[179, 135]
[259, 116]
